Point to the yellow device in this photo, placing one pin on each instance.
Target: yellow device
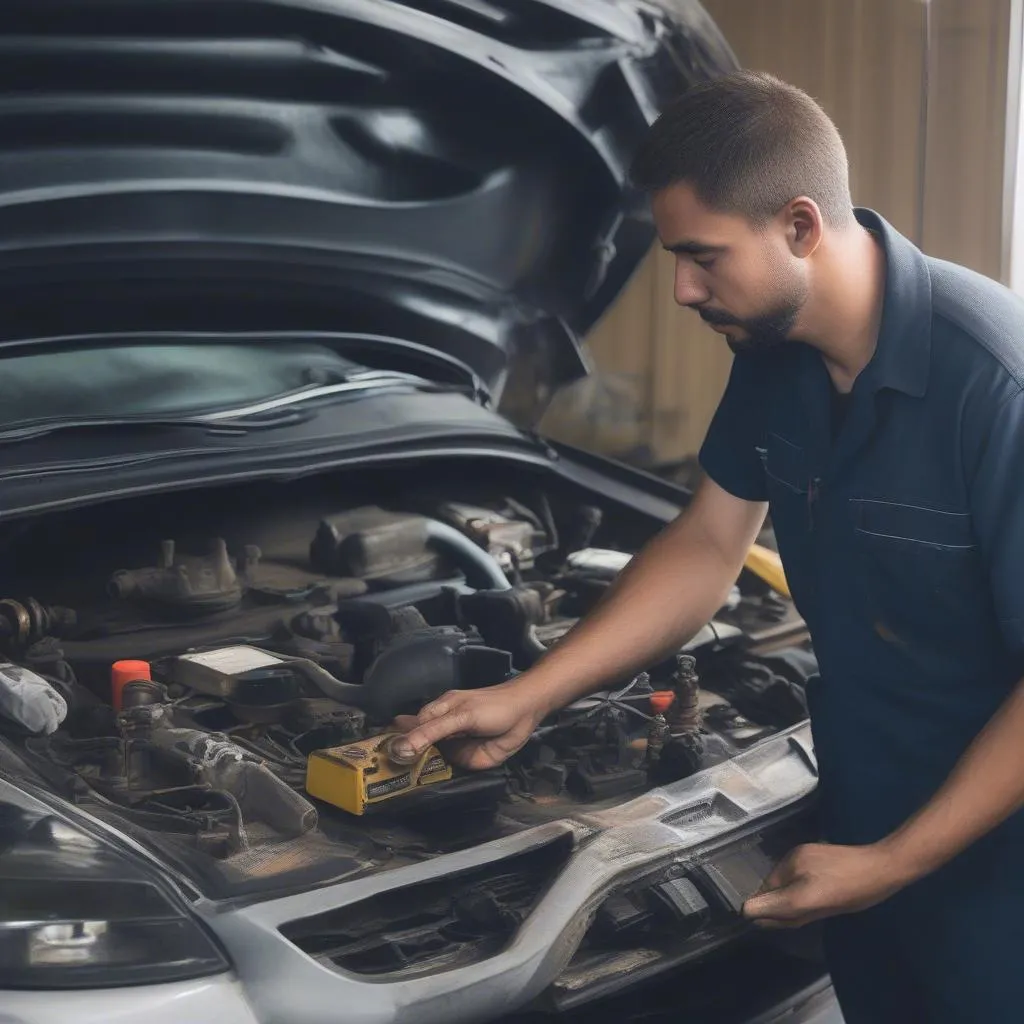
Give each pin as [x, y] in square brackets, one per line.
[359, 775]
[767, 564]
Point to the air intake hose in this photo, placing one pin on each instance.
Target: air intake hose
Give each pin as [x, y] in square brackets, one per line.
[222, 764]
[481, 570]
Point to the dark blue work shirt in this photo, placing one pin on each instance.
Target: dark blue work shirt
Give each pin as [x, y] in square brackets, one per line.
[902, 536]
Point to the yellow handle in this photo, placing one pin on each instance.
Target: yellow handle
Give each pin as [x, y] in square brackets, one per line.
[767, 564]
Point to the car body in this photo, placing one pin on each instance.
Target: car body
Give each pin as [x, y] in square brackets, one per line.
[286, 284]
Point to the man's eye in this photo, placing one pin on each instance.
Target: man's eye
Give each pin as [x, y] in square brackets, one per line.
[705, 264]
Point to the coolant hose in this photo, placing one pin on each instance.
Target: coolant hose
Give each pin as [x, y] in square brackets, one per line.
[481, 570]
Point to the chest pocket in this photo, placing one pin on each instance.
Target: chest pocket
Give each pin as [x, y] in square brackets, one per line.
[922, 570]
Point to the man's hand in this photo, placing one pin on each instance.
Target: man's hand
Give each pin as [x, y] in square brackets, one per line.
[483, 728]
[819, 881]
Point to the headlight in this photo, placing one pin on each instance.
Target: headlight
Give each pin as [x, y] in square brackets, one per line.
[75, 913]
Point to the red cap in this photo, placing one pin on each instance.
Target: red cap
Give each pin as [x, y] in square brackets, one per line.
[122, 672]
[661, 701]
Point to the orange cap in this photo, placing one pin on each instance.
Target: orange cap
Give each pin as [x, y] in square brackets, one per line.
[661, 701]
[123, 672]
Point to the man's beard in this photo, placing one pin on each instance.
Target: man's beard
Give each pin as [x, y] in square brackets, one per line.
[763, 333]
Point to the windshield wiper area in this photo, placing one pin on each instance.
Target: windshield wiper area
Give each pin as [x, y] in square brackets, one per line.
[352, 382]
[225, 426]
[284, 410]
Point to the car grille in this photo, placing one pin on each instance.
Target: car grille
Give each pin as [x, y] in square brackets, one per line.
[433, 926]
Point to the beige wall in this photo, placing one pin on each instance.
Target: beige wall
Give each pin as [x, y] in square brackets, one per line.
[934, 169]
[964, 214]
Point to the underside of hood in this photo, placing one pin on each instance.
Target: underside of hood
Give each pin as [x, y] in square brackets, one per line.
[451, 172]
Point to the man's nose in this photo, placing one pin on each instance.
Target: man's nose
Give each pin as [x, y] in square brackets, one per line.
[688, 290]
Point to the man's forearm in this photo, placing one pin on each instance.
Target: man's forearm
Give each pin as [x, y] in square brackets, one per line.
[666, 594]
[985, 788]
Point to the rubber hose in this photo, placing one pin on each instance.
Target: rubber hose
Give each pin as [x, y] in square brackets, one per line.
[351, 694]
[264, 797]
[532, 649]
[259, 792]
[481, 570]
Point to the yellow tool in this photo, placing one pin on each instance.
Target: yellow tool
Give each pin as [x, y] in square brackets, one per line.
[359, 775]
[767, 564]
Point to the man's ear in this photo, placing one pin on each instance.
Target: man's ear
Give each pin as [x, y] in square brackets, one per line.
[804, 226]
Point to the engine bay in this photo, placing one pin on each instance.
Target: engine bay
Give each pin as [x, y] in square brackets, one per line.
[216, 673]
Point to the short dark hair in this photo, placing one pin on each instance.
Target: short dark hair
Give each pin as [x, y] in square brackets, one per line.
[748, 143]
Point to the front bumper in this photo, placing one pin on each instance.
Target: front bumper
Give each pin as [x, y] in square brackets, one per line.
[221, 1001]
[817, 1006]
[694, 828]
[689, 824]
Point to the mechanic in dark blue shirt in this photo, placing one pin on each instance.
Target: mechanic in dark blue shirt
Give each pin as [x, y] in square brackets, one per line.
[875, 407]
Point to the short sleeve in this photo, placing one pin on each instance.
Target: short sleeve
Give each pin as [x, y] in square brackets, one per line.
[730, 453]
[996, 490]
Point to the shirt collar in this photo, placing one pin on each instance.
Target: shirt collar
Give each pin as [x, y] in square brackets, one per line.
[902, 358]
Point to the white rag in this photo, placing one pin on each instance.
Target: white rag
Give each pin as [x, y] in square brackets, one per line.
[30, 699]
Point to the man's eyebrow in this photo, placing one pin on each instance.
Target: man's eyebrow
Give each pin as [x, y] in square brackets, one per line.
[693, 249]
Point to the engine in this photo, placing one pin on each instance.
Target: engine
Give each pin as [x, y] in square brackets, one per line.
[231, 689]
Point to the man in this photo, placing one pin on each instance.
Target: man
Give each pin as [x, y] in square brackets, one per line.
[875, 406]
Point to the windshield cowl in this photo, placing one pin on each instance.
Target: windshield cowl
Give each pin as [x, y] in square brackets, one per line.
[225, 383]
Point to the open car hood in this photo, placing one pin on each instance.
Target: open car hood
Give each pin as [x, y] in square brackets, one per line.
[447, 172]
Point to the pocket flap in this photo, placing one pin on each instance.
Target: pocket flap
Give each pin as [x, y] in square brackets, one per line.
[913, 523]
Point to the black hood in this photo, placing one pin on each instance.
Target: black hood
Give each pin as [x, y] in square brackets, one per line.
[448, 172]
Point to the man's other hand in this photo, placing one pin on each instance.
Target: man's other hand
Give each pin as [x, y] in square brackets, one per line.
[819, 881]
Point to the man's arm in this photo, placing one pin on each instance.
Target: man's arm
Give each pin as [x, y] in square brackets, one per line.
[668, 592]
[986, 787]
[987, 784]
[665, 595]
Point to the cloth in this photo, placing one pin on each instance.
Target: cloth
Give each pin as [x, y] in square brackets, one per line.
[30, 700]
[841, 402]
[946, 951]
